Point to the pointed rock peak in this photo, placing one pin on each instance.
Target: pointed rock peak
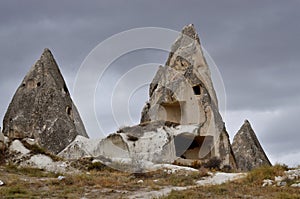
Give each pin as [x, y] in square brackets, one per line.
[47, 57]
[187, 57]
[47, 50]
[42, 108]
[190, 31]
[248, 152]
[47, 54]
[246, 123]
[246, 127]
[185, 85]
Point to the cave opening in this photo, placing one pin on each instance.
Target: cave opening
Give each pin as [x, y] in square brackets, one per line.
[197, 90]
[171, 112]
[193, 147]
[69, 110]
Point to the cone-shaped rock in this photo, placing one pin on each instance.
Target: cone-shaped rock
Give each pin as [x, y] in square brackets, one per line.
[247, 150]
[42, 108]
[182, 92]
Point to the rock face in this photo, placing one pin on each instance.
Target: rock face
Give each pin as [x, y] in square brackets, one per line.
[247, 150]
[2, 145]
[136, 146]
[182, 92]
[180, 122]
[42, 108]
[153, 141]
[81, 147]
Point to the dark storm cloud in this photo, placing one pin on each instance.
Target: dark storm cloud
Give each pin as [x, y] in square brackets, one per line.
[255, 44]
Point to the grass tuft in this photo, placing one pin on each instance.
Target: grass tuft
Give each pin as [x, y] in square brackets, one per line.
[257, 175]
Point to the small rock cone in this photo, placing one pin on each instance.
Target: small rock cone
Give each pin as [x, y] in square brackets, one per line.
[42, 108]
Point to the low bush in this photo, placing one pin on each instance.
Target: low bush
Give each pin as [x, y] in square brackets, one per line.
[213, 163]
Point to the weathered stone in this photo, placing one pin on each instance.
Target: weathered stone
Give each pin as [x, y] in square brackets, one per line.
[182, 92]
[153, 141]
[295, 185]
[42, 108]
[248, 152]
[81, 147]
[2, 144]
[267, 182]
[180, 121]
[17, 147]
[293, 174]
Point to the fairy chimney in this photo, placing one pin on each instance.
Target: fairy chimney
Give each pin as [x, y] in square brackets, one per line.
[248, 152]
[42, 108]
[182, 92]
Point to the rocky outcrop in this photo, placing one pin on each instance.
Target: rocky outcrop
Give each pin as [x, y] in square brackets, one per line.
[2, 141]
[81, 147]
[180, 122]
[248, 152]
[25, 153]
[42, 108]
[289, 178]
[153, 142]
[182, 92]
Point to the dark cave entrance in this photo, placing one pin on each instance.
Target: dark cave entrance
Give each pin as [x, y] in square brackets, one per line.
[197, 90]
[193, 147]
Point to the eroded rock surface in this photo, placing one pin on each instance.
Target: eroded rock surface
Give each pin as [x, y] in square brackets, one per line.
[248, 152]
[182, 92]
[42, 108]
[181, 121]
[2, 141]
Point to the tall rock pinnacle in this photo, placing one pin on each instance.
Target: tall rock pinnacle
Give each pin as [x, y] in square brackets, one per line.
[247, 150]
[182, 92]
[42, 108]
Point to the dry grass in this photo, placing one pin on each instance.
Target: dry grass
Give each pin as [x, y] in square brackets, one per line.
[249, 187]
[24, 182]
[99, 181]
[237, 190]
[256, 176]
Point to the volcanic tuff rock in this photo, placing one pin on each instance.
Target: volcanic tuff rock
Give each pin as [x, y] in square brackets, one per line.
[148, 142]
[247, 150]
[181, 120]
[2, 141]
[182, 92]
[42, 108]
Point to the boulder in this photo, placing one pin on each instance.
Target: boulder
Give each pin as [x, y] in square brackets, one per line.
[81, 147]
[42, 108]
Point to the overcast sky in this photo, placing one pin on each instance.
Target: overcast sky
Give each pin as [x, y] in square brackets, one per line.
[255, 45]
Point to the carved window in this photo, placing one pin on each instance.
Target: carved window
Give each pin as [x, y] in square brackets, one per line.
[197, 90]
[69, 110]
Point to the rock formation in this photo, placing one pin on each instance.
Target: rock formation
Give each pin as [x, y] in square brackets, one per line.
[180, 122]
[2, 142]
[149, 141]
[42, 108]
[182, 92]
[247, 150]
